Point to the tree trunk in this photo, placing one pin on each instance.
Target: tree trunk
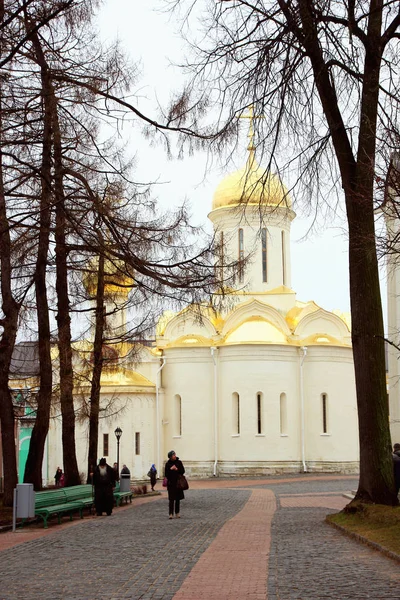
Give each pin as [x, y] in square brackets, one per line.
[97, 370]
[71, 470]
[376, 470]
[33, 467]
[9, 323]
[376, 464]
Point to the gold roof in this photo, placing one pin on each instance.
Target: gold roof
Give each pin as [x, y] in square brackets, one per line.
[117, 280]
[251, 185]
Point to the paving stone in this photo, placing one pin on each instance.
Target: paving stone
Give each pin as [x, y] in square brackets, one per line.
[139, 554]
[135, 554]
[311, 561]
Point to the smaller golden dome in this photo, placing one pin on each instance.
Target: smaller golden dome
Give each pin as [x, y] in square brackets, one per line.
[251, 185]
[117, 280]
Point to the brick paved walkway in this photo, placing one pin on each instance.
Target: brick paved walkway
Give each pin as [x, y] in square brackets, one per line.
[244, 540]
[235, 565]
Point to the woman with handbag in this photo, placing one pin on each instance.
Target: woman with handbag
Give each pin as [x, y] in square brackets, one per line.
[173, 470]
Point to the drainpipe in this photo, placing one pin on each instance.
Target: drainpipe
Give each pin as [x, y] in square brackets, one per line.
[215, 413]
[158, 381]
[303, 451]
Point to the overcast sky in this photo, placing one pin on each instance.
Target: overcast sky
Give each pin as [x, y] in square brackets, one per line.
[149, 36]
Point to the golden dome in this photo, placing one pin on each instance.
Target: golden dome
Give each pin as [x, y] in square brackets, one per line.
[251, 185]
[117, 280]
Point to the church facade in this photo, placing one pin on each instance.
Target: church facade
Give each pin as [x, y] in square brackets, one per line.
[265, 385]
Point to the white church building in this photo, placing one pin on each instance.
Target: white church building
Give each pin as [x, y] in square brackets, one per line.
[264, 386]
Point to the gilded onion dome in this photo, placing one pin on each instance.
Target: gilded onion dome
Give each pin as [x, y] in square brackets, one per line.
[117, 280]
[251, 185]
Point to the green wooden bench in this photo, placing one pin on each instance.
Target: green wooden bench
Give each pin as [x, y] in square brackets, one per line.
[119, 496]
[83, 493]
[54, 502]
[69, 500]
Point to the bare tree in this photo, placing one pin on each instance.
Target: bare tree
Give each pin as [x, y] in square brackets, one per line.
[69, 83]
[325, 76]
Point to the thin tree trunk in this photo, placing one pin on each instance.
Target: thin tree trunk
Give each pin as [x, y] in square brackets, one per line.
[71, 470]
[33, 467]
[97, 370]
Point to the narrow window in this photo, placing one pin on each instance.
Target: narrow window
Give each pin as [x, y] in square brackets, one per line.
[264, 254]
[259, 413]
[137, 442]
[283, 414]
[178, 415]
[105, 444]
[235, 413]
[283, 258]
[241, 256]
[324, 413]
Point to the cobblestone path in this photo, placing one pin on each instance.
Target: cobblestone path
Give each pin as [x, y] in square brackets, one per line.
[267, 541]
[309, 560]
[134, 554]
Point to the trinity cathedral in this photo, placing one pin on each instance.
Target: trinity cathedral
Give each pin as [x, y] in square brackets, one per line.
[264, 386]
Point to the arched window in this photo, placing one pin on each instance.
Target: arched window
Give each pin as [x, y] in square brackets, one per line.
[241, 256]
[283, 258]
[235, 414]
[259, 400]
[177, 415]
[264, 254]
[283, 413]
[324, 407]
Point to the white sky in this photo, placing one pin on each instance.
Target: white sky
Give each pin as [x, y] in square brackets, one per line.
[320, 263]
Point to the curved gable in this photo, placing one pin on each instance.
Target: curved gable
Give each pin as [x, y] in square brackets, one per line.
[256, 331]
[254, 310]
[185, 324]
[324, 323]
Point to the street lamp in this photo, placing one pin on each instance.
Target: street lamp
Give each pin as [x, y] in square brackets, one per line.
[118, 433]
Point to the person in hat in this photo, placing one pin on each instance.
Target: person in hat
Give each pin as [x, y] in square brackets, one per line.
[153, 476]
[174, 468]
[104, 484]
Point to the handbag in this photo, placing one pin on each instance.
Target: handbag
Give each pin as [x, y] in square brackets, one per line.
[182, 483]
[165, 482]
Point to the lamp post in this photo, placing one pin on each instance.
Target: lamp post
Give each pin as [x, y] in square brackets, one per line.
[118, 433]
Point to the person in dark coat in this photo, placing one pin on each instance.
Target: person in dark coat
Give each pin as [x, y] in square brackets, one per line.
[153, 476]
[396, 466]
[104, 484]
[115, 467]
[174, 468]
[57, 476]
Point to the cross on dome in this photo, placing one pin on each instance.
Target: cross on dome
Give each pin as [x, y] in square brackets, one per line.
[250, 115]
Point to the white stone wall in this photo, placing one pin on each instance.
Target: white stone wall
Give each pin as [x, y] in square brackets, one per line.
[393, 305]
[188, 372]
[248, 370]
[137, 415]
[270, 370]
[330, 371]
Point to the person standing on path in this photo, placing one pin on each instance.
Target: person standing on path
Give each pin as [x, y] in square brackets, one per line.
[153, 476]
[104, 484]
[174, 468]
[57, 476]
